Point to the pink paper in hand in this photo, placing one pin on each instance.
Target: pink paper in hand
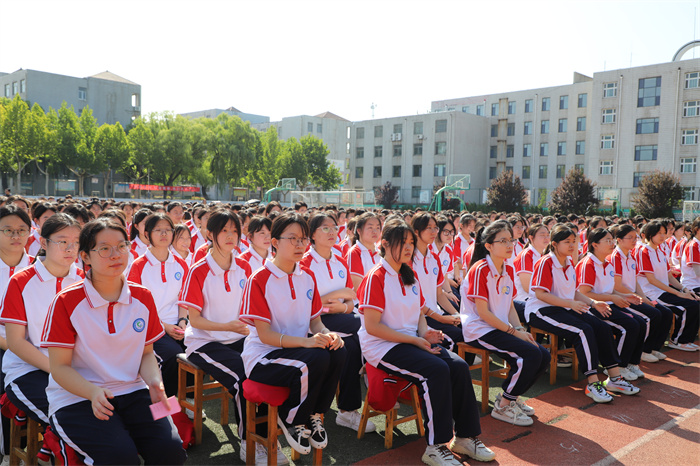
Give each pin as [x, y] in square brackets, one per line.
[158, 410]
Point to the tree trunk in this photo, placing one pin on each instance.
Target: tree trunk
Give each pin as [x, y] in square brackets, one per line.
[19, 180]
[81, 185]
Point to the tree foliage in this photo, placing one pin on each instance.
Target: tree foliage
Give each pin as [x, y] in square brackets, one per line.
[386, 195]
[576, 194]
[659, 193]
[506, 193]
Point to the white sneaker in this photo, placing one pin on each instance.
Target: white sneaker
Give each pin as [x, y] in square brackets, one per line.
[473, 448]
[5, 460]
[682, 346]
[597, 391]
[649, 357]
[627, 374]
[621, 386]
[351, 419]
[636, 370]
[477, 360]
[439, 455]
[281, 457]
[190, 413]
[512, 414]
[661, 356]
[527, 410]
[260, 453]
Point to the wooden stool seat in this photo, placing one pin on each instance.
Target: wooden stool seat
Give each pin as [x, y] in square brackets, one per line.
[197, 390]
[554, 351]
[486, 372]
[32, 430]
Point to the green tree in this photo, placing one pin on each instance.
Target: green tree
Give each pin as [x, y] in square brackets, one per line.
[292, 163]
[76, 150]
[111, 150]
[20, 137]
[323, 174]
[265, 170]
[575, 194]
[172, 151]
[659, 193]
[47, 163]
[506, 193]
[235, 146]
[142, 144]
[386, 195]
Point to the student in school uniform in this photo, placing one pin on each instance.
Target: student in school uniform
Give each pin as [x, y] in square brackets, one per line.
[660, 285]
[282, 306]
[690, 260]
[595, 278]
[139, 242]
[657, 317]
[181, 243]
[491, 322]
[163, 272]
[396, 339]
[100, 334]
[350, 238]
[337, 295]
[41, 212]
[24, 307]
[175, 211]
[199, 233]
[524, 265]
[362, 256]
[517, 223]
[556, 306]
[467, 224]
[259, 251]
[442, 246]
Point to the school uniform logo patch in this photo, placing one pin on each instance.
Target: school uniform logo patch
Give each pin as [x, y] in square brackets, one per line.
[634, 266]
[612, 273]
[139, 325]
[435, 271]
[242, 283]
[505, 290]
[414, 288]
[445, 262]
[341, 273]
[178, 275]
[310, 294]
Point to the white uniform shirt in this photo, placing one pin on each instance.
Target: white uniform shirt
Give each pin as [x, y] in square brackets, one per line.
[549, 275]
[331, 274]
[524, 263]
[217, 294]
[255, 260]
[139, 247]
[429, 272]
[651, 260]
[361, 259]
[625, 267]
[33, 244]
[600, 276]
[6, 272]
[690, 257]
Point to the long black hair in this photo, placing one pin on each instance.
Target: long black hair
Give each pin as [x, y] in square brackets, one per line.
[559, 233]
[394, 233]
[487, 235]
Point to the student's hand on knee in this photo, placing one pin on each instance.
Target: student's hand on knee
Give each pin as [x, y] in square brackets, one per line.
[101, 408]
[434, 337]
[620, 301]
[425, 345]
[336, 341]
[175, 332]
[319, 340]
[602, 307]
[525, 336]
[238, 327]
[578, 306]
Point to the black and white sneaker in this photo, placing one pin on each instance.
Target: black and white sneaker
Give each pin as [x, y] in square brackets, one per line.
[318, 438]
[297, 436]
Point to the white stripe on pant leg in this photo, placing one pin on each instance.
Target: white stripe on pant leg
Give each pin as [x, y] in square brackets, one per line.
[304, 379]
[23, 398]
[683, 315]
[228, 371]
[623, 335]
[643, 316]
[426, 397]
[518, 362]
[575, 330]
[65, 438]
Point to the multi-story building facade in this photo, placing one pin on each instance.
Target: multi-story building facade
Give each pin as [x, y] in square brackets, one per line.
[111, 98]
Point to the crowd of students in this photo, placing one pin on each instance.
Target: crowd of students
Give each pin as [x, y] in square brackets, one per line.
[99, 298]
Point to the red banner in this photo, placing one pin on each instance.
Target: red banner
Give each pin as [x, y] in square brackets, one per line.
[153, 187]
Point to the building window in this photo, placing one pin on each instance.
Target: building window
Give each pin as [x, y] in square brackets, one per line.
[610, 90]
[688, 165]
[418, 127]
[480, 110]
[440, 148]
[544, 149]
[545, 104]
[418, 149]
[359, 172]
[510, 151]
[564, 102]
[359, 152]
[319, 128]
[582, 100]
[378, 131]
[310, 127]
[635, 179]
[492, 173]
[7, 91]
[527, 150]
[609, 115]
[396, 171]
[543, 172]
[527, 130]
[347, 148]
[494, 131]
[417, 170]
[692, 80]
[545, 127]
[440, 126]
[465, 109]
[645, 153]
[649, 92]
[647, 125]
[606, 167]
[23, 85]
[579, 167]
[561, 171]
[561, 148]
[509, 169]
[581, 124]
[360, 133]
[511, 129]
[377, 172]
[82, 93]
[440, 169]
[378, 151]
[563, 125]
[689, 137]
[528, 106]
[398, 128]
[494, 109]
[691, 108]
[607, 141]
[15, 88]
[689, 193]
[398, 150]
[511, 108]
[415, 191]
[580, 147]
[526, 172]
[493, 152]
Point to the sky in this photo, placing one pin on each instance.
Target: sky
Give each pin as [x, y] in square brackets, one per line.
[288, 58]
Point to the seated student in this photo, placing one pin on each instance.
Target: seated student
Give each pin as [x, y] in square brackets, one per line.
[491, 322]
[282, 305]
[24, 307]
[160, 270]
[181, 243]
[690, 260]
[362, 256]
[524, 265]
[41, 211]
[99, 397]
[396, 339]
[556, 307]
[259, 242]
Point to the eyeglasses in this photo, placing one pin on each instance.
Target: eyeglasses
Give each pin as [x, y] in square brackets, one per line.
[433, 229]
[448, 232]
[506, 242]
[167, 231]
[106, 251]
[329, 229]
[294, 241]
[630, 238]
[64, 245]
[22, 232]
